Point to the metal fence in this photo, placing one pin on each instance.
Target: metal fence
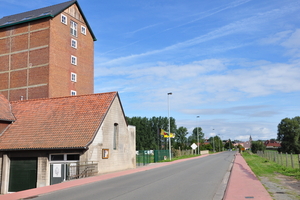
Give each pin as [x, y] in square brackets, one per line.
[145, 157]
[284, 159]
[81, 169]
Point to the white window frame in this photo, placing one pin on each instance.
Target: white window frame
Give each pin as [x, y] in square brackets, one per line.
[74, 43]
[83, 30]
[73, 28]
[65, 157]
[73, 93]
[64, 19]
[73, 77]
[73, 60]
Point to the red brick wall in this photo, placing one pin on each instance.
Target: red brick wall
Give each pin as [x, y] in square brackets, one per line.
[15, 95]
[61, 67]
[18, 78]
[23, 62]
[3, 62]
[39, 64]
[3, 81]
[19, 60]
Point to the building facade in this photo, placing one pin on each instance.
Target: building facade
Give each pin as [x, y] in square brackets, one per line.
[65, 138]
[48, 52]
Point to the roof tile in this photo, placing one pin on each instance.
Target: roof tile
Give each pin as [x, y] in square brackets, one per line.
[5, 109]
[65, 122]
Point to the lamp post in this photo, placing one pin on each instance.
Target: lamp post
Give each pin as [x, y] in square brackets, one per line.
[220, 143]
[198, 137]
[214, 142]
[170, 93]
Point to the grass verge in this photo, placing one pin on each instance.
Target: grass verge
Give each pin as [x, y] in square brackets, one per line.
[263, 167]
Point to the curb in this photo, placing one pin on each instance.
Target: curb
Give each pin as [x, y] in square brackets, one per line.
[221, 191]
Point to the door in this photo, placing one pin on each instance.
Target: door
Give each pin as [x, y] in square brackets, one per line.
[23, 174]
[57, 173]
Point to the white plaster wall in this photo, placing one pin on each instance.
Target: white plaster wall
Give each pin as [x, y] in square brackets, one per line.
[124, 156]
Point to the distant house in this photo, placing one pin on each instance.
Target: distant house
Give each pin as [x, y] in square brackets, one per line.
[246, 145]
[41, 138]
[272, 144]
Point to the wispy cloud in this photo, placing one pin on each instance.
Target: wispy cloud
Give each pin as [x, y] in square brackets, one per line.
[244, 25]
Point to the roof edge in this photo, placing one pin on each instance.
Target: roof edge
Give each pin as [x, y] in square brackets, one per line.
[84, 18]
[54, 148]
[90, 142]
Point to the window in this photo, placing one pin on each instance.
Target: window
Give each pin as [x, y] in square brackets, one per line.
[46, 13]
[74, 43]
[57, 157]
[73, 77]
[9, 22]
[73, 93]
[73, 60]
[74, 28]
[28, 17]
[64, 157]
[83, 30]
[64, 19]
[116, 130]
[72, 156]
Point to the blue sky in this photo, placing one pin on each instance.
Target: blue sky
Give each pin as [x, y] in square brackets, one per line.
[234, 63]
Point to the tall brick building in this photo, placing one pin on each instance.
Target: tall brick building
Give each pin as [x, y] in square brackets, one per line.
[48, 52]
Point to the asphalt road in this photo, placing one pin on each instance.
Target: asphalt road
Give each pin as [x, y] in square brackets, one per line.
[192, 179]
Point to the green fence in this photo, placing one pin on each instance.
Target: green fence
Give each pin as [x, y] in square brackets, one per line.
[145, 157]
[160, 155]
[284, 159]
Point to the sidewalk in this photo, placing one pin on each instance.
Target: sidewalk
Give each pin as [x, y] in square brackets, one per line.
[243, 184]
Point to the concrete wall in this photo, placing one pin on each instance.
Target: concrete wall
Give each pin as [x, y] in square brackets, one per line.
[204, 152]
[123, 157]
[43, 172]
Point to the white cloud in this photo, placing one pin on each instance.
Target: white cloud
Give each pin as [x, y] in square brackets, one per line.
[293, 44]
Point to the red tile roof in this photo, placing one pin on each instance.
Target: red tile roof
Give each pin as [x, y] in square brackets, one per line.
[268, 143]
[56, 123]
[5, 110]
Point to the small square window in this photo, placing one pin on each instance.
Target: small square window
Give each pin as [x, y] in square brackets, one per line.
[73, 60]
[73, 77]
[64, 19]
[83, 30]
[74, 43]
[73, 93]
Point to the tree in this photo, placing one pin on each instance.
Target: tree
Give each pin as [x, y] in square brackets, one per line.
[180, 137]
[228, 145]
[147, 131]
[257, 146]
[289, 135]
[200, 133]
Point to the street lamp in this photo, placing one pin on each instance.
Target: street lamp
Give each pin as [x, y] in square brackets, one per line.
[170, 93]
[214, 142]
[198, 137]
[221, 142]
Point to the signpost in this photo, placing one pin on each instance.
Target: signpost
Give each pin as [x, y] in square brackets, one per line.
[194, 146]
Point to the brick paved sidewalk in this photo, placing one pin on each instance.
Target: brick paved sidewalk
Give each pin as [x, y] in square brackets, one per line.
[243, 184]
